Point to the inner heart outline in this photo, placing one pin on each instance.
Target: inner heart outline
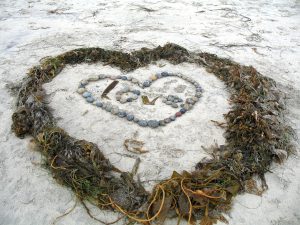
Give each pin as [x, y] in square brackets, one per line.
[153, 123]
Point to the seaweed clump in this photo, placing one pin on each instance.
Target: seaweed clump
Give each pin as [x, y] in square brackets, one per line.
[255, 137]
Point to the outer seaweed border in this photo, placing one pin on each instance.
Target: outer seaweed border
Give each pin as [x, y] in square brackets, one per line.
[256, 135]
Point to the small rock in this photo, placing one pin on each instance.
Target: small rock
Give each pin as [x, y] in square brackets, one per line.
[137, 92]
[168, 102]
[183, 110]
[172, 118]
[129, 117]
[90, 99]
[153, 77]
[167, 120]
[135, 97]
[135, 81]
[165, 74]
[178, 114]
[195, 99]
[115, 110]
[153, 123]
[174, 105]
[84, 82]
[93, 78]
[142, 123]
[162, 123]
[87, 94]
[147, 83]
[123, 77]
[99, 104]
[81, 90]
[122, 114]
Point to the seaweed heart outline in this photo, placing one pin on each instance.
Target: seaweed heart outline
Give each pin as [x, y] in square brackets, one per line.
[115, 110]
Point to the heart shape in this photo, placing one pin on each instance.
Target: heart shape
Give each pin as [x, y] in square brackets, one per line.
[169, 100]
[256, 135]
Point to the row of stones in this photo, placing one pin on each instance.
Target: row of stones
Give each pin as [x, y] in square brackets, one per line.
[129, 116]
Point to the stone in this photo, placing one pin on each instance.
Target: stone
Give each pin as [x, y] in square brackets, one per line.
[147, 83]
[136, 119]
[90, 99]
[115, 110]
[84, 82]
[135, 81]
[165, 74]
[122, 114]
[172, 118]
[81, 90]
[143, 123]
[123, 100]
[129, 117]
[178, 114]
[87, 94]
[93, 78]
[129, 99]
[134, 97]
[99, 104]
[118, 97]
[198, 94]
[153, 123]
[158, 75]
[195, 99]
[102, 76]
[183, 110]
[162, 123]
[168, 102]
[174, 105]
[153, 77]
[137, 92]
[123, 77]
[167, 120]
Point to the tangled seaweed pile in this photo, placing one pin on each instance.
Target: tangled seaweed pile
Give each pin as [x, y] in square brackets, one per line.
[255, 136]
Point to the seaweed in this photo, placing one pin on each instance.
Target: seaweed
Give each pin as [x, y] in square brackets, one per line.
[255, 131]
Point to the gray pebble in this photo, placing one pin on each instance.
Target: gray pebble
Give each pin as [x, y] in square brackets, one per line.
[122, 114]
[129, 117]
[90, 99]
[142, 123]
[162, 123]
[167, 120]
[93, 78]
[84, 82]
[87, 94]
[168, 102]
[153, 123]
[172, 118]
[174, 105]
[99, 104]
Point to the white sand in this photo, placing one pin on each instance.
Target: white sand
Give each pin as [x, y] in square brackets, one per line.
[265, 35]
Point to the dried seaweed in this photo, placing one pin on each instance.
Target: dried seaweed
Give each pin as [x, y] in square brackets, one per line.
[255, 132]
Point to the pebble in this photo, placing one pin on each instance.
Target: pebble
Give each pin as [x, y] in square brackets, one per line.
[123, 100]
[174, 105]
[168, 102]
[153, 123]
[123, 77]
[178, 114]
[183, 110]
[90, 99]
[147, 83]
[81, 90]
[129, 99]
[84, 82]
[164, 74]
[129, 117]
[129, 78]
[136, 120]
[99, 104]
[137, 92]
[195, 99]
[118, 97]
[86, 94]
[172, 118]
[153, 77]
[135, 97]
[102, 76]
[158, 75]
[162, 123]
[93, 78]
[115, 110]
[135, 81]
[167, 120]
[142, 123]
[108, 107]
[122, 114]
